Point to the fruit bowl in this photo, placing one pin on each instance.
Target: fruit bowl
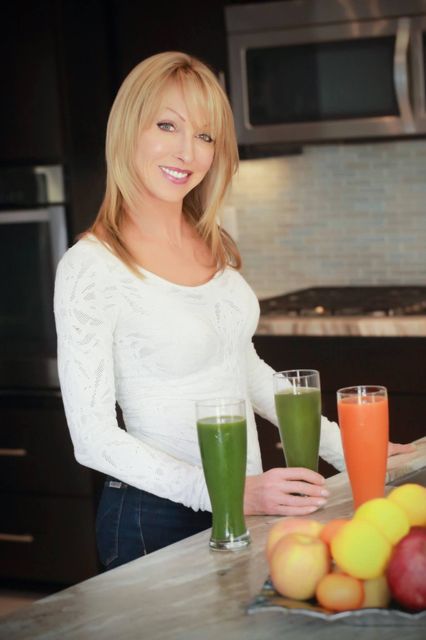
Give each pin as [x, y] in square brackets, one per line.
[269, 600]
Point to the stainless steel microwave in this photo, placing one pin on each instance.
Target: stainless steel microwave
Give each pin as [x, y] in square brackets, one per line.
[318, 70]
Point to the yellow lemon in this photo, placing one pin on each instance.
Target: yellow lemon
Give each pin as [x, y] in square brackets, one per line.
[389, 518]
[376, 593]
[361, 550]
[412, 498]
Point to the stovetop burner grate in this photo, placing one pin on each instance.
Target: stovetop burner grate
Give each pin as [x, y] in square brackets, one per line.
[378, 301]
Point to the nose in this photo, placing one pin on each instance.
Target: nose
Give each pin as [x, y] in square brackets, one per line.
[185, 151]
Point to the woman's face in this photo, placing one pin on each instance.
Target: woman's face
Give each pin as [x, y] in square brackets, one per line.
[173, 154]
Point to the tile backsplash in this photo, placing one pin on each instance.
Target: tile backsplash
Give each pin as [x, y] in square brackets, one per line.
[341, 214]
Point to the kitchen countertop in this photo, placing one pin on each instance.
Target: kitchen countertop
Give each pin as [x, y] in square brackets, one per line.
[387, 326]
[186, 591]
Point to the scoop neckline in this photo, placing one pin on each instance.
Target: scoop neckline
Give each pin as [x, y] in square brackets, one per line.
[189, 287]
[151, 274]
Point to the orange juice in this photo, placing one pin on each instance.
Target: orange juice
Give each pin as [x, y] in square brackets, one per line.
[364, 426]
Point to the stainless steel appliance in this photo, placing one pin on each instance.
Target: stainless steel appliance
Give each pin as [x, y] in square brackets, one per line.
[319, 71]
[33, 237]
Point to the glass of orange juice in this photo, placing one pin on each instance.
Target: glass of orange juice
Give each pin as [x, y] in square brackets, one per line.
[364, 426]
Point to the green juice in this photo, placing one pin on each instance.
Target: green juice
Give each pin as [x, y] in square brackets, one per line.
[299, 419]
[223, 446]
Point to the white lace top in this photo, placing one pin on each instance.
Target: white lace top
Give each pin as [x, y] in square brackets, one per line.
[156, 348]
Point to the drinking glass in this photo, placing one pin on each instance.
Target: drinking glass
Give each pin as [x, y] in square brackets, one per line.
[298, 407]
[222, 436]
[364, 427]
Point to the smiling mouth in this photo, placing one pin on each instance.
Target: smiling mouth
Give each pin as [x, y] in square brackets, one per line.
[176, 175]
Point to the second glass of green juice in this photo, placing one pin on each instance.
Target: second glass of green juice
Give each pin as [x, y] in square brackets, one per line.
[222, 436]
[298, 406]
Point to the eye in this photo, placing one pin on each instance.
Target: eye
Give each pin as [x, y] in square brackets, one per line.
[205, 137]
[166, 126]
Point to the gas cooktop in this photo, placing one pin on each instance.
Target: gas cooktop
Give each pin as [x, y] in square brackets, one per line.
[349, 301]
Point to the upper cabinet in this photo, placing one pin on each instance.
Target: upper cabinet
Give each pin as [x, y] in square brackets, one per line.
[55, 68]
[30, 114]
[138, 31]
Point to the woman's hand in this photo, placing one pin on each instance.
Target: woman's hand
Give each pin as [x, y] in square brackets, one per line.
[271, 493]
[394, 448]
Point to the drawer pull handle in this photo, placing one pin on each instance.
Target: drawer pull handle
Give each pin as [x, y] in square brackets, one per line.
[13, 453]
[15, 537]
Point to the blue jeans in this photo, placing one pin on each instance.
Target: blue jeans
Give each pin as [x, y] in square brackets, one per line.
[131, 523]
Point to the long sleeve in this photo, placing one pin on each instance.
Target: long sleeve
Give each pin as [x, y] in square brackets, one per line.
[261, 393]
[87, 305]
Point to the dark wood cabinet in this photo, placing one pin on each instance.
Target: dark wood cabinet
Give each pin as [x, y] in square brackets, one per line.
[396, 363]
[47, 539]
[56, 95]
[47, 500]
[31, 126]
[138, 31]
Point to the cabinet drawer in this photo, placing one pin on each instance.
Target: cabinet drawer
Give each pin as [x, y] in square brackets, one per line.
[36, 452]
[47, 539]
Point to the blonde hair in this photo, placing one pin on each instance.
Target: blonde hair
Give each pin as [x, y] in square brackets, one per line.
[132, 111]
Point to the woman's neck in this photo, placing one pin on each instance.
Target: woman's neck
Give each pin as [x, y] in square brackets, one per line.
[165, 223]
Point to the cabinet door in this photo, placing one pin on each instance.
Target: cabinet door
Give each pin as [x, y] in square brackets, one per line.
[47, 539]
[30, 121]
[140, 30]
[36, 452]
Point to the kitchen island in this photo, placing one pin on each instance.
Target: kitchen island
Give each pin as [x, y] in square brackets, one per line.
[186, 591]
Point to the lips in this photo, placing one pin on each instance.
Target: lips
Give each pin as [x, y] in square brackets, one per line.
[177, 176]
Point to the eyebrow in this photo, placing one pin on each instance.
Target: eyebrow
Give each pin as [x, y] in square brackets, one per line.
[176, 112]
[182, 118]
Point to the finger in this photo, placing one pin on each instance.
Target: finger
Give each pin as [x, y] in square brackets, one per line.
[302, 501]
[284, 510]
[395, 447]
[300, 473]
[304, 488]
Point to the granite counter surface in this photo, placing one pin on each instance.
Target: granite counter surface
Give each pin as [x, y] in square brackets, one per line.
[395, 326]
[186, 591]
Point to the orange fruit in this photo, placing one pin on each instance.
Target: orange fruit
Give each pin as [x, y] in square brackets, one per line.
[330, 528]
[412, 498]
[338, 592]
[361, 550]
[389, 518]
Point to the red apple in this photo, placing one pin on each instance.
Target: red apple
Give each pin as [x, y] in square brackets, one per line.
[406, 572]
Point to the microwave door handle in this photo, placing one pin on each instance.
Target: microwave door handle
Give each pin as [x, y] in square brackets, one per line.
[400, 74]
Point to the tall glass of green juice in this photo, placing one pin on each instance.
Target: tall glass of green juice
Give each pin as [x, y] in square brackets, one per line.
[222, 436]
[298, 407]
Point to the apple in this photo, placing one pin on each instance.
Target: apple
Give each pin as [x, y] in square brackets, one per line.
[298, 562]
[291, 525]
[406, 572]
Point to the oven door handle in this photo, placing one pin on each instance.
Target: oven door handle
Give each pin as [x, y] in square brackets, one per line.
[25, 538]
[401, 74]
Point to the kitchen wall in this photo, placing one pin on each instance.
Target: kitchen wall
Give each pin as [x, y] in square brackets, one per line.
[340, 214]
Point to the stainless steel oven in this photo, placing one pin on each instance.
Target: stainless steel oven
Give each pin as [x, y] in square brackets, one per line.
[33, 237]
[317, 71]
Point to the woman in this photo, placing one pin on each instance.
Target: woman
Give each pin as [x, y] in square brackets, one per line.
[152, 312]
